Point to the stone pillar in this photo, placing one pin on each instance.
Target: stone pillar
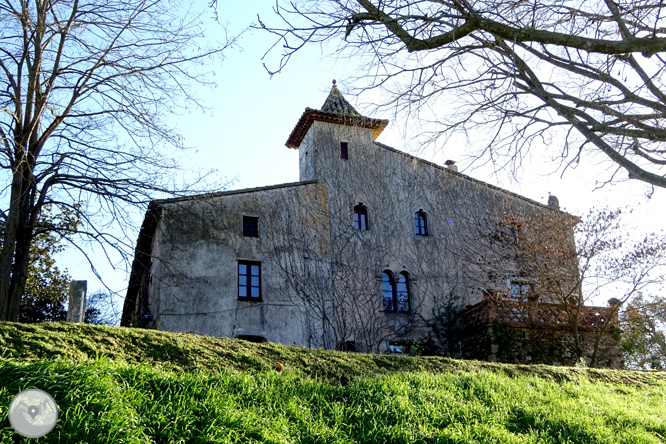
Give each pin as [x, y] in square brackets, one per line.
[76, 312]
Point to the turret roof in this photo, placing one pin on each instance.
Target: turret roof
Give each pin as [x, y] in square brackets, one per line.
[336, 104]
[336, 109]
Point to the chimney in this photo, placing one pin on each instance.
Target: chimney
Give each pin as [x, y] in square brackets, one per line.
[451, 165]
[553, 202]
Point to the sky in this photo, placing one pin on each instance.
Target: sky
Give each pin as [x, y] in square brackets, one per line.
[252, 115]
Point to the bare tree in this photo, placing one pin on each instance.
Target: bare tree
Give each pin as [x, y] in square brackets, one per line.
[86, 88]
[582, 78]
[100, 309]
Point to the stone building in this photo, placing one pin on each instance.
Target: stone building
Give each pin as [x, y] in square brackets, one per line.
[371, 250]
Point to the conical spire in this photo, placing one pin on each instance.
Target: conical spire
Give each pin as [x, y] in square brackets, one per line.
[336, 104]
[336, 110]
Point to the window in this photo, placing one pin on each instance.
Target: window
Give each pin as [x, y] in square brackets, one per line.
[420, 223]
[250, 226]
[515, 232]
[400, 347]
[344, 150]
[252, 338]
[249, 280]
[395, 295]
[348, 346]
[360, 217]
[519, 291]
[402, 293]
[388, 288]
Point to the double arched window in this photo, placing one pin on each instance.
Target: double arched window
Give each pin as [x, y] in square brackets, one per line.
[420, 223]
[360, 217]
[395, 292]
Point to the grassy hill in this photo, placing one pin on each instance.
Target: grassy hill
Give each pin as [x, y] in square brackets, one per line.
[136, 386]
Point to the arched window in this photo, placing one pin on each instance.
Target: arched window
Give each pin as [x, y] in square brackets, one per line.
[420, 223]
[388, 288]
[395, 295]
[402, 293]
[360, 217]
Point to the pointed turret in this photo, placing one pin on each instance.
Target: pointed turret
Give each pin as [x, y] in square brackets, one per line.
[336, 104]
[336, 109]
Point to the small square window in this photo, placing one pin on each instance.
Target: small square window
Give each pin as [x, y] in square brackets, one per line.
[250, 226]
[344, 150]
[249, 281]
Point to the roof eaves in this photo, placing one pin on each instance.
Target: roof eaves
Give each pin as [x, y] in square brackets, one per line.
[232, 192]
[310, 115]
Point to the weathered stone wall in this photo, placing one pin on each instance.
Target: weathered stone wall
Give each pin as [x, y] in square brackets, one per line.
[196, 250]
[448, 269]
[535, 334]
[321, 277]
[553, 346]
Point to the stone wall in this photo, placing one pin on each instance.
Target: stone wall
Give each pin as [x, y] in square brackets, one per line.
[447, 268]
[321, 278]
[198, 244]
[536, 333]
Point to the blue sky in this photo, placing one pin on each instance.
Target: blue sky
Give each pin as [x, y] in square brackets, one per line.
[253, 114]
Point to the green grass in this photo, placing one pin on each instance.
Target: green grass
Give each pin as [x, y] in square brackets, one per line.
[136, 386]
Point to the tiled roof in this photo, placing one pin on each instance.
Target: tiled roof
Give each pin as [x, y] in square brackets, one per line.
[336, 104]
[336, 109]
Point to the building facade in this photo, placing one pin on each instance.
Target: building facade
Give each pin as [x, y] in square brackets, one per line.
[364, 253]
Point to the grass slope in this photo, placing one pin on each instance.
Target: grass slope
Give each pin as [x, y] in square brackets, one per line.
[136, 386]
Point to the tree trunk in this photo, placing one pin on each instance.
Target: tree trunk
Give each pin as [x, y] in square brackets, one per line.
[19, 270]
[609, 321]
[9, 247]
[574, 318]
[16, 245]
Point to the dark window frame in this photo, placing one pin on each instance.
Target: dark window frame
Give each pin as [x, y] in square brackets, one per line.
[391, 292]
[361, 218]
[344, 150]
[407, 292]
[421, 223]
[250, 226]
[248, 281]
[388, 291]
